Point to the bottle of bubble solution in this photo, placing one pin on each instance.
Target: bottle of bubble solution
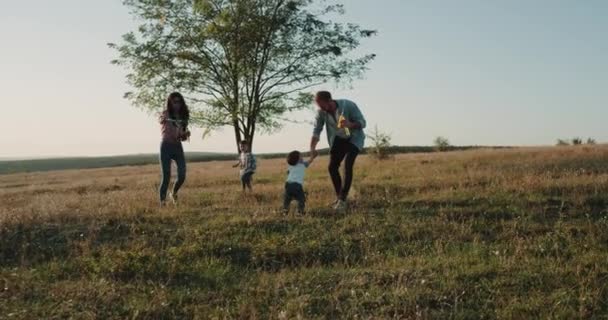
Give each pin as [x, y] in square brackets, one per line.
[341, 119]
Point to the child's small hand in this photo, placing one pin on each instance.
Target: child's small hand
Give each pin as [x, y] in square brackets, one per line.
[312, 157]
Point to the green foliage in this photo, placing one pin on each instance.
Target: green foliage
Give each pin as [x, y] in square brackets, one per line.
[240, 63]
[441, 143]
[381, 143]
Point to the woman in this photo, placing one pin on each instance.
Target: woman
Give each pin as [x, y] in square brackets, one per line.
[174, 129]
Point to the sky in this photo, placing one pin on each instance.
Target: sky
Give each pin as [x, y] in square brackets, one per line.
[478, 72]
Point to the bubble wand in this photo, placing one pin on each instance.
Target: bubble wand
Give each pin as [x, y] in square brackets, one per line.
[341, 121]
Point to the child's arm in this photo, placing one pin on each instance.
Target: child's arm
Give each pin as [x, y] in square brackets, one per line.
[310, 160]
[237, 164]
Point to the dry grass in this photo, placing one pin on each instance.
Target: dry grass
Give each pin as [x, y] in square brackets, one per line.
[519, 233]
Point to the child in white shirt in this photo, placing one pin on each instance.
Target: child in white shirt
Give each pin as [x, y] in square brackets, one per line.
[294, 187]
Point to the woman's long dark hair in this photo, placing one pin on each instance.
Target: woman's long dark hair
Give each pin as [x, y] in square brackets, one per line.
[184, 111]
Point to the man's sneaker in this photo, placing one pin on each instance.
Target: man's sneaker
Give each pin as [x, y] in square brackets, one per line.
[341, 205]
[173, 198]
[334, 204]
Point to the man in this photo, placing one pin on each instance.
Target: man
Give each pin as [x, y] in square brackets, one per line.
[345, 124]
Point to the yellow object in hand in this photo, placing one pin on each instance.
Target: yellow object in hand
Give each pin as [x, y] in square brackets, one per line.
[341, 121]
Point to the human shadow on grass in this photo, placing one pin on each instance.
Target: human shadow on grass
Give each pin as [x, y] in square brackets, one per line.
[274, 259]
[29, 244]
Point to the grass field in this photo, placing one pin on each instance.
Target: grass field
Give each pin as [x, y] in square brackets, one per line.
[510, 234]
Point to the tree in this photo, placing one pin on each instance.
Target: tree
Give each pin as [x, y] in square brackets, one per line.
[441, 143]
[577, 141]
[240, 63]
[562, 142]
[591, 141]
[381, 143]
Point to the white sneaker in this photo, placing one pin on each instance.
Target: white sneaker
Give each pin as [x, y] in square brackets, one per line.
[334, 204]
[341, 205]
[173, 198]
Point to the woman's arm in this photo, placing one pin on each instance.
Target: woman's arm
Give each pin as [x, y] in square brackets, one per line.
[162, 117]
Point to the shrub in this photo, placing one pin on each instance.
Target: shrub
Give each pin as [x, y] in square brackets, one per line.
[441, 143]
[381, 143]
[577, 141]
[591, 141]
[562, 142]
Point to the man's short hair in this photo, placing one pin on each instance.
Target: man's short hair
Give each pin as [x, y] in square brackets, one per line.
[293, 158]
[324, 96]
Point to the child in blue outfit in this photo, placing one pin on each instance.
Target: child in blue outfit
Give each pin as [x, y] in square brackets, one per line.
[294, 186]
[247, 164]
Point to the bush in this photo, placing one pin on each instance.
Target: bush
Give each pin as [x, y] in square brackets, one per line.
[441, 143]
[381, 144]
[575, 142]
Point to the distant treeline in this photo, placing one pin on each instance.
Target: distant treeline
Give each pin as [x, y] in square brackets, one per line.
[15, 166]
[397, 150]
[34, 165]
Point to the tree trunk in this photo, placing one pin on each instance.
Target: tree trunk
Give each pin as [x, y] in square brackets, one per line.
[251, 135]
[237, 135]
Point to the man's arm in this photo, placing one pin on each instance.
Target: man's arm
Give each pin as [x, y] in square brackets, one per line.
[316, 133]
[311, 159]
[357, 120]
[313, 146]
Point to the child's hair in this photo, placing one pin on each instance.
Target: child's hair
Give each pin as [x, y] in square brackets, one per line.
[293, 158]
